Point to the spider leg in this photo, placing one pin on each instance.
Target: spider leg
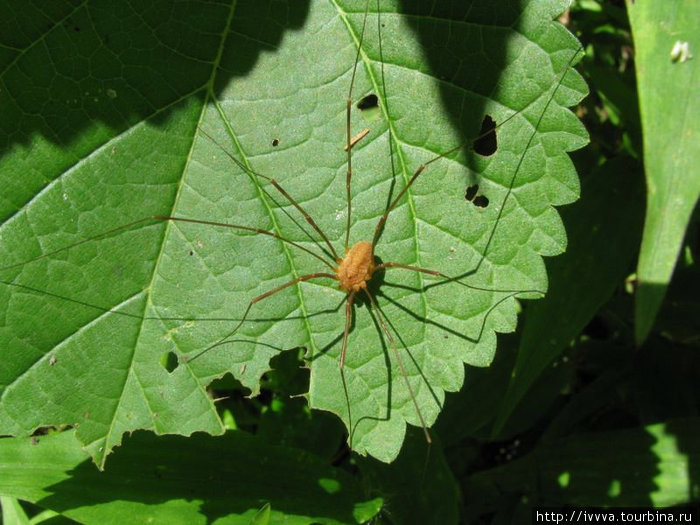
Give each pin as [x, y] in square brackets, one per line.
[346, 332]
[399, 361]
[449, 278]
[307, 277]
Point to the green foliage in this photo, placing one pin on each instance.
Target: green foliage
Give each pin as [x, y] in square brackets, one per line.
[658, 466]
[107, 112]
[668, 99]
[120, 307]
[592, 268]
[152, 479]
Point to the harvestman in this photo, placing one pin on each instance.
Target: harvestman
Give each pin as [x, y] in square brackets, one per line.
[354, 270]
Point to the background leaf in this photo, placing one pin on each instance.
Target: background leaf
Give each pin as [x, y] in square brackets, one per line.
[12, 512]
[668, 99]
[604, 232]
[419, 485]
[227, 478]
[105, 104]
[657, 468]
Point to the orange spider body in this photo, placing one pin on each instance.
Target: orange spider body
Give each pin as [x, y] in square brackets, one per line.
[356, 268]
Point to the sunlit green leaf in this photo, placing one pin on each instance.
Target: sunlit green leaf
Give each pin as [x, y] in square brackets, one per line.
[668, 99]
[102, 107]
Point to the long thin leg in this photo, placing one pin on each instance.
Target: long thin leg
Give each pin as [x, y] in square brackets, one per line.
[346, 332]
[306, 216]
[384, 104]
[407, 267]
[155, 218]
[318, 275]
[399, 360]
[244, 228]
[162, 218]
[348, 176]
[165, 218]
[348, 135]
[448, 278]
[515, 114]
[280, 189]
[383, 218]
[385, 215]
[88, 239]
[97, 307]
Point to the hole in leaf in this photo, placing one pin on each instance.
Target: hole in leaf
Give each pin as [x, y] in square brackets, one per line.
[486, 144]
[369, 107]
[368, 102]
[235, 407]
[471, 192]
[472, 195]
[169, 361]
[288, 375]
[275, 143]
[481, 201]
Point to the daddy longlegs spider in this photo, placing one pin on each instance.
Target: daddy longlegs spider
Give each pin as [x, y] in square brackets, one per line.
[353, 269]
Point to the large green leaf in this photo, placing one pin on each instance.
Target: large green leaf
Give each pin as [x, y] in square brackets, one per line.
[102, 107]
[668, 99]
[224, 480]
